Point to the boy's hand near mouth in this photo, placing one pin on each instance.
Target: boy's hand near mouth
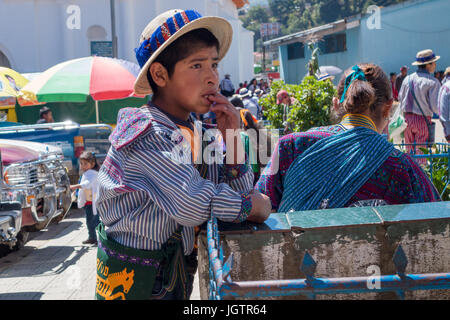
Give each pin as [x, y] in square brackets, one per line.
[229, 125]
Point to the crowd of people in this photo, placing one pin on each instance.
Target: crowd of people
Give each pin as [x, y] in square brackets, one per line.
[154, 189]
[422, 96]
[247, 97]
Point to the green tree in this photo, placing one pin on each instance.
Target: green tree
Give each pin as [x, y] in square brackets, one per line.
[298, 15]
[252, 21]
[330, 10]
[281, 9]
[258, 14]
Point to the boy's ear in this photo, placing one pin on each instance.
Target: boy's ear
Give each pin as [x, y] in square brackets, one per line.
[159, 74]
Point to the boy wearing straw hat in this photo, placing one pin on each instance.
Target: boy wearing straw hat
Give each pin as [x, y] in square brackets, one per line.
[418, 99]
[153, 191]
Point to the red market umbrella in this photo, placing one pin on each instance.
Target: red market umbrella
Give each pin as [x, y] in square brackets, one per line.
[101, 78]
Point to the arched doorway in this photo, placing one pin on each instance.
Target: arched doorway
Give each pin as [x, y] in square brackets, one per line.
[97, 41]
[4, 61]
[96, 32]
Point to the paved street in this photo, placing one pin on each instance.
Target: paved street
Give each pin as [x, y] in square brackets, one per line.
[54, 265]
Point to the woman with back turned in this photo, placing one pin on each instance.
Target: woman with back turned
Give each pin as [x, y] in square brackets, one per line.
[349, 163]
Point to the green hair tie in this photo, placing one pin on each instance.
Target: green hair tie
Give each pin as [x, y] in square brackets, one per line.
[356, 74]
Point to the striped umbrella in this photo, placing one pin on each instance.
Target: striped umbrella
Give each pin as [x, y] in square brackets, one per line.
[101, 78]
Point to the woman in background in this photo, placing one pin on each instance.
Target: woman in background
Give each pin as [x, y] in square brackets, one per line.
[350, 162]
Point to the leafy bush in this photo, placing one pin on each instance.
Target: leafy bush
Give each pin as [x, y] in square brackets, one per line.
[441, 174]
[272, 111]
[311, 108]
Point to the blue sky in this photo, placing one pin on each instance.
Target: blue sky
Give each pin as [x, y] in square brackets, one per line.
[258, 2]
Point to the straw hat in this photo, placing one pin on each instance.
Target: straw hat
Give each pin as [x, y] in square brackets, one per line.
[324, 76]
[425, 57]
[169, 26]
[244, 92]
[44, 110]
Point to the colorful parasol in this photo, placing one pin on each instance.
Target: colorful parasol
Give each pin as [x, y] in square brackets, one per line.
[10, 83]
[101, 78]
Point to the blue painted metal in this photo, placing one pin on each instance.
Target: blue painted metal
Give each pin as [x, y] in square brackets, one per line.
[308, 266]
[221, 285]
[388, 283]
[215, 259]
[400, 260]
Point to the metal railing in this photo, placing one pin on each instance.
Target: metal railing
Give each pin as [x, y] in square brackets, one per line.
[221, 285]
[434, 152]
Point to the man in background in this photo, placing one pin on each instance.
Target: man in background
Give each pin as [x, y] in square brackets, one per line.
[418, 99]
[226, 86]
[45, 116]
[400, 77]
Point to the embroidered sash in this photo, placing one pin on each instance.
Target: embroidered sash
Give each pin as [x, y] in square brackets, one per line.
[129, 274]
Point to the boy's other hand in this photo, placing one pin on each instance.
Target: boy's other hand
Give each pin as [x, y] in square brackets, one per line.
[261, 207]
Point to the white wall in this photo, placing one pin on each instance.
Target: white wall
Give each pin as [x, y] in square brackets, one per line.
[37, 35]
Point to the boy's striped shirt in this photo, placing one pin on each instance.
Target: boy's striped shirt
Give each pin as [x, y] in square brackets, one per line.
[145, 192]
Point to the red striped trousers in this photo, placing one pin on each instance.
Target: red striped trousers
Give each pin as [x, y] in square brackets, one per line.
[416, 132]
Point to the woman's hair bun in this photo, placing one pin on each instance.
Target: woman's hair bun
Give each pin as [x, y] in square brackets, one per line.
[360, 96]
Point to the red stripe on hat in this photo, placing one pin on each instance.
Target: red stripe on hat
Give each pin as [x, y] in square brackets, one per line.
[185, 17]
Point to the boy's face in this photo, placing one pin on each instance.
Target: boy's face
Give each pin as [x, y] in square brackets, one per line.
[193, 80]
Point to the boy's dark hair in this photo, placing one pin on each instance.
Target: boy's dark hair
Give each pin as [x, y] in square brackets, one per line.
[90, 156]
[181, 49]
